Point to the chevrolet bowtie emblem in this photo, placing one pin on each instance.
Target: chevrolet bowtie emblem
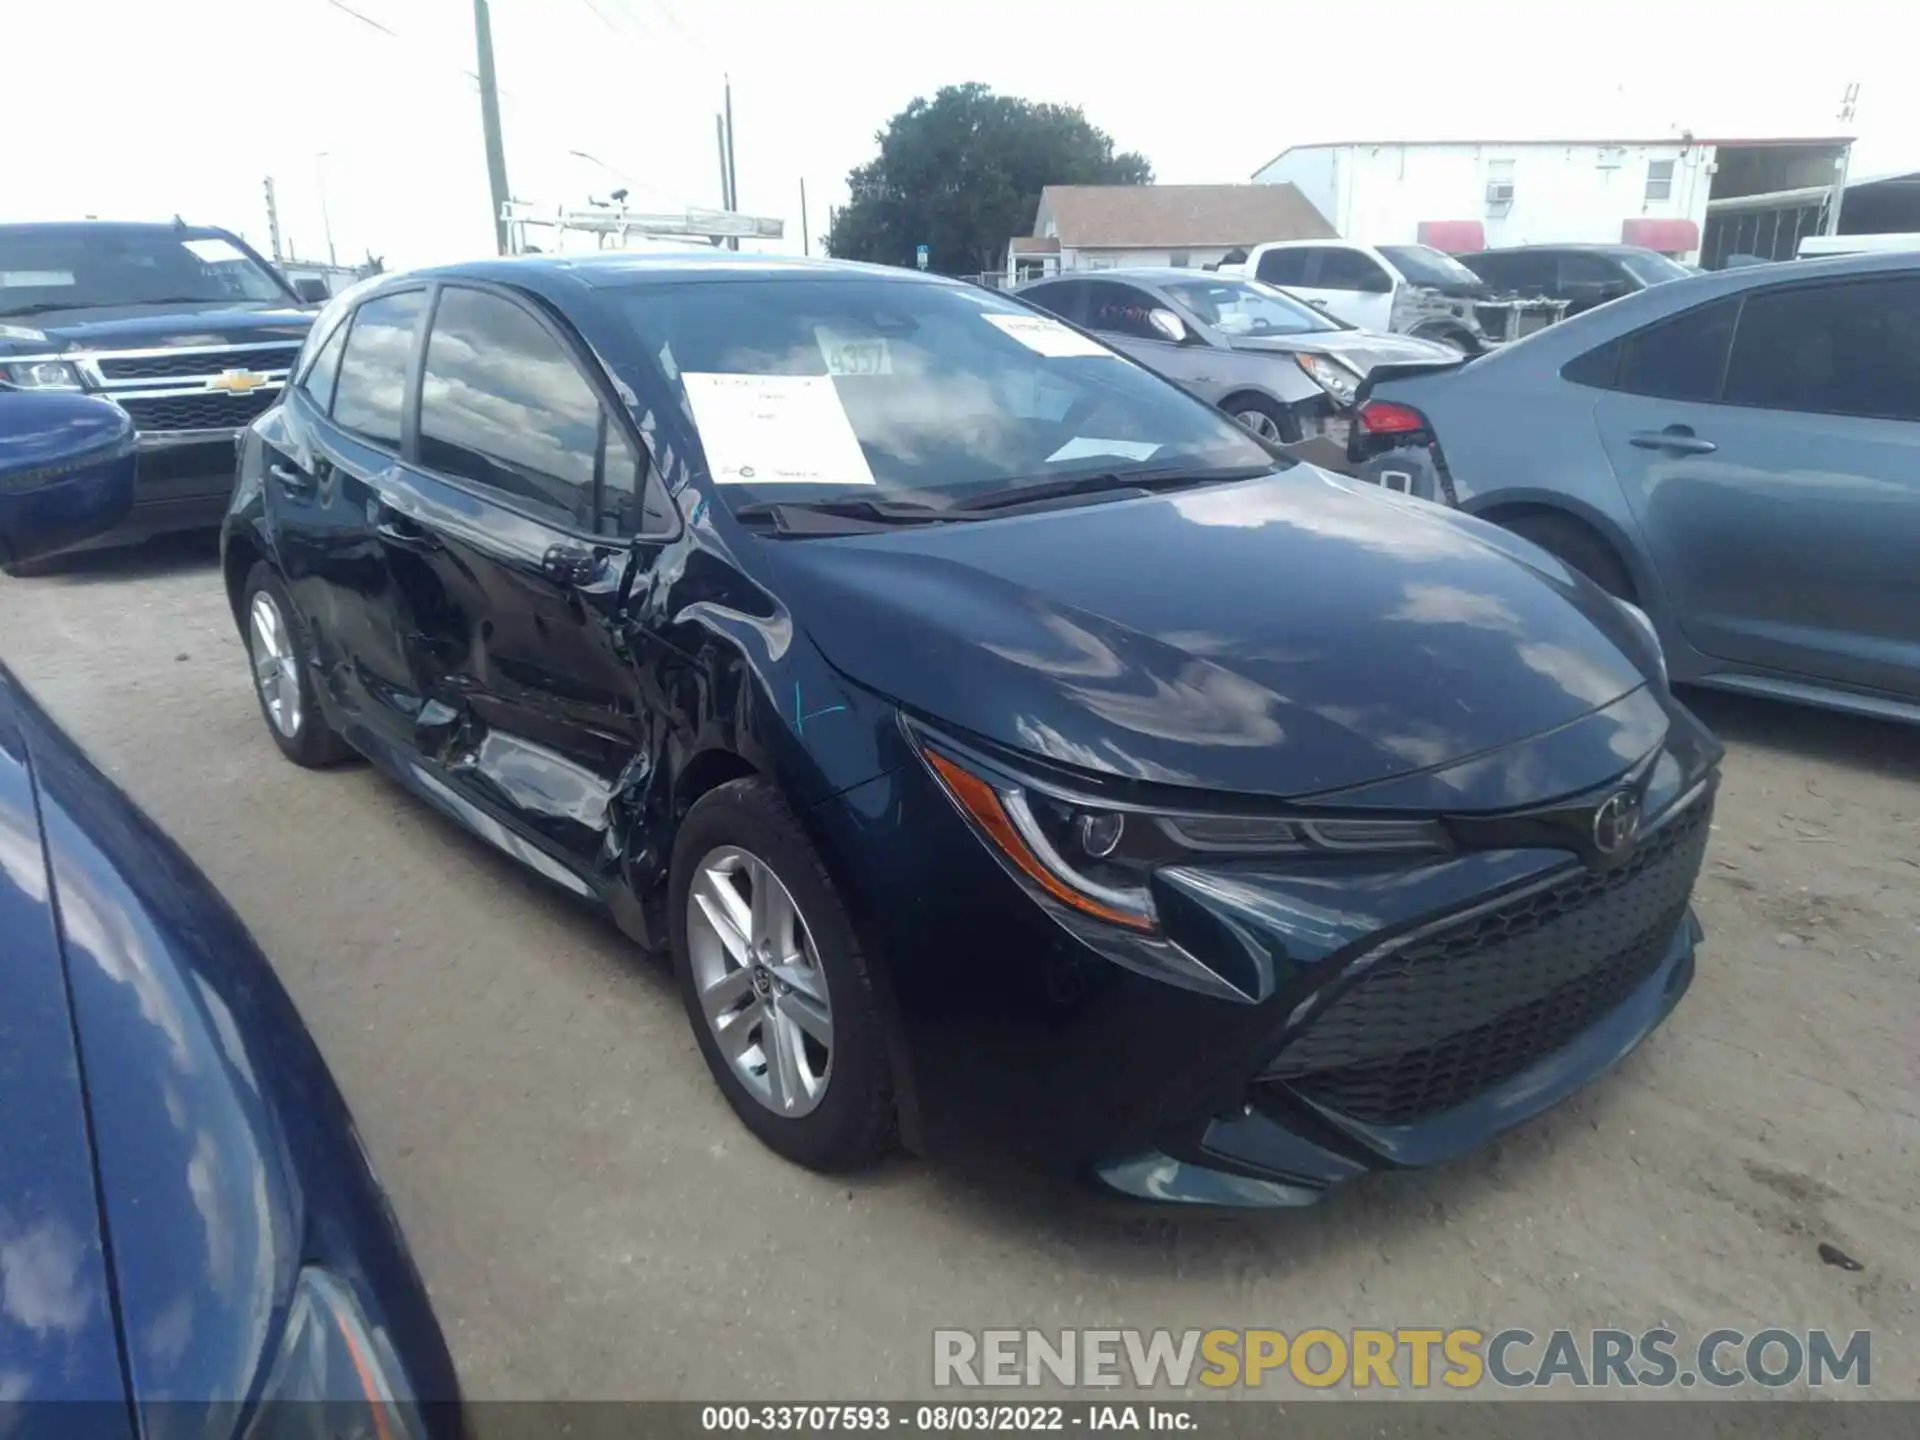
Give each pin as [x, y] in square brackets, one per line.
[237, 382]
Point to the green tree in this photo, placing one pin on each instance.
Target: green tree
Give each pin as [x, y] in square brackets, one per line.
[962, 172]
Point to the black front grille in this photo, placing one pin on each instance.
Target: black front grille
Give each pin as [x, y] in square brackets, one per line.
[198, 412]
[1462, 1009]
[200, 363]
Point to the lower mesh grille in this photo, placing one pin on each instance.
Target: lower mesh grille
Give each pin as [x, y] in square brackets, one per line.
[198, 412]
[1471, 1005]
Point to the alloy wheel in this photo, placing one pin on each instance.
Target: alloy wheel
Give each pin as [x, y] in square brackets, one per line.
[276, 665]
[759, 980]
[1260, 423]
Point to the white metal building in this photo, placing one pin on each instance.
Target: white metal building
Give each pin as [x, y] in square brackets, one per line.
[1464, 195]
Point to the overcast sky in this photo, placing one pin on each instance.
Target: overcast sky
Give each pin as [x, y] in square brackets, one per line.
[144, 108]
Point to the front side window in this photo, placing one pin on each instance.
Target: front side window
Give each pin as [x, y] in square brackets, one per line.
[1351, 270]
[1121, 310]
[370, 395]
[502, 404]
[58, 268]
[1246, 307]
[967, 393]
[1850, 349]
[1683, 358]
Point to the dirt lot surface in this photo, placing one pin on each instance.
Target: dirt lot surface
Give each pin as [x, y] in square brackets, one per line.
[593, 1223]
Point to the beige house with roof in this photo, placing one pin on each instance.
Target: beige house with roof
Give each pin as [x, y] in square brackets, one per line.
[1101, 227]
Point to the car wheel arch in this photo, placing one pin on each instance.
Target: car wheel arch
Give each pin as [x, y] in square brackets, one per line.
[242, 551]
[1509, 509]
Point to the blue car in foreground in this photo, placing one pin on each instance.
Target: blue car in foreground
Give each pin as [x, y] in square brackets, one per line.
[1738, 454]
[190, 1236]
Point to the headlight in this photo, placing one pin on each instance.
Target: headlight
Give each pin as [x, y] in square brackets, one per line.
[1097, 859]
[1331, 376]
[336, 1377]
[42, 375]
[1644, 622]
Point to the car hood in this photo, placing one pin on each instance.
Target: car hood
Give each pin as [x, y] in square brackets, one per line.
[152, 327]
[1287, 636]
[1360, 349]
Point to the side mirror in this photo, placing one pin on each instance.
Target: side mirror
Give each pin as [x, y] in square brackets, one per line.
[312, 290]
[1169, 325]
[66, 471]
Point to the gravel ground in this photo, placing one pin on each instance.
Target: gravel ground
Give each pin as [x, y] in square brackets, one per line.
[593, 1223]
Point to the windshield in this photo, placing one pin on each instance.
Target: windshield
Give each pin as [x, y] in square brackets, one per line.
[1246, 307]
[1424, 265]
[76, 269]
[804, 390]
[1652, 268]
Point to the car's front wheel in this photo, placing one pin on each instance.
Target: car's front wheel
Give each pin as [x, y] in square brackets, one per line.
[277, 653]
[775, 983]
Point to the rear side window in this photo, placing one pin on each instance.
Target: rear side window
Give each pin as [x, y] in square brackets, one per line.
[1067, 298]
[503, 405]
[370, 394]
[1680, 359]
[1851, 349]
[321, 374]
[1282, 267]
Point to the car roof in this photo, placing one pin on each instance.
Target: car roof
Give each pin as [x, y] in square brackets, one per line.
[1582, 247]
[61, 229]
[554, 275]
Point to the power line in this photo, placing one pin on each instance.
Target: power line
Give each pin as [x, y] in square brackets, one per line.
[600, 15]
[363, 19]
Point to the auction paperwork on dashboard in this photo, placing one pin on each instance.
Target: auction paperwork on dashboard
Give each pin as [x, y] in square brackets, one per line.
[775, 430]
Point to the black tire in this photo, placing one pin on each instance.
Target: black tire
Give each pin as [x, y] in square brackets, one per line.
[1285, 430]
[1447, 335]
[314, 743]
[854, 1123]
[1579, 546]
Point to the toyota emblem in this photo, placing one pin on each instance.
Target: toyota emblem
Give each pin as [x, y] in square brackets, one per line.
[1616, 823]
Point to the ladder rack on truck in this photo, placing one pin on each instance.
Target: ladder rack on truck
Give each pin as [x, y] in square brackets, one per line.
[612, 227]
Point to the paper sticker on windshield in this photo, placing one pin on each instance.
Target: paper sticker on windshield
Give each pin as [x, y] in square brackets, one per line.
[775, 430]
[1046, 337]
[1083, 447]
[34, 279]
[214, 251]
[853, 354]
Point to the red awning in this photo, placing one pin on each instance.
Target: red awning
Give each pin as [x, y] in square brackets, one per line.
[1456, 237]
[1670, 237]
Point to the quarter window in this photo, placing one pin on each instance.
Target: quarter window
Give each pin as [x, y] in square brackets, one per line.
[503, 405]
[371, 391]
[1850, 349]
[320, 376]
[1683, 358]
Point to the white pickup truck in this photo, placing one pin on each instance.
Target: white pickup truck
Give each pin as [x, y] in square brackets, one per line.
[1407, 289]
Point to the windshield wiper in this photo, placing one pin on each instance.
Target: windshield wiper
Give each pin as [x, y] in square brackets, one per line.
[1084, 484]
[41, 308]
[807, 515]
